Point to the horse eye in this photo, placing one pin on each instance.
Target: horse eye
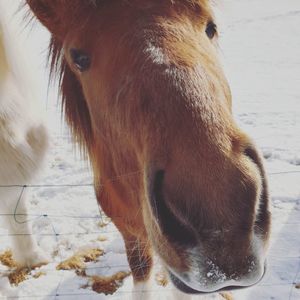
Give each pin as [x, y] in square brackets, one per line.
[211, 29]
[80, 59]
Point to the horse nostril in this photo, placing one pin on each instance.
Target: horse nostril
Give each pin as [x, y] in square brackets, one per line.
[169, 223]
[252, 154]
[263, 219]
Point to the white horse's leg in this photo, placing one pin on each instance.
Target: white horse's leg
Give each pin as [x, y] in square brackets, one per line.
[23, 141]
[24, 247]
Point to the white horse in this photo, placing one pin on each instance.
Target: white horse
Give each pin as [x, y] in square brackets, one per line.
[23, 142]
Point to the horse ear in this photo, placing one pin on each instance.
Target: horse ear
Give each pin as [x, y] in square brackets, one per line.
[48, 13]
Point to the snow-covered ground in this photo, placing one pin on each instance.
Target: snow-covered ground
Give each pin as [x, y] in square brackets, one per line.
[260, 46]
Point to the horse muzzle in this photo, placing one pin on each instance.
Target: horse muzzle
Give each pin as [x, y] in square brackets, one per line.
[187, 283]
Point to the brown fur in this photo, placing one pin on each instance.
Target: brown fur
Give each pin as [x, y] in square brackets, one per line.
[153, 112]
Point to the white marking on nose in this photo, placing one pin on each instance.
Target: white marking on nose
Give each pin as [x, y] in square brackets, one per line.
[156, 54]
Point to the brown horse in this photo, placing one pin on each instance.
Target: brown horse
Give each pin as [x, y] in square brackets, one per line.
[145, 96]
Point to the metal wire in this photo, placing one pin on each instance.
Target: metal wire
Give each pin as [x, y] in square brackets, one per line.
[100, 216]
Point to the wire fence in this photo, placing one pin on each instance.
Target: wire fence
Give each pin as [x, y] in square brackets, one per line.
[99, 216]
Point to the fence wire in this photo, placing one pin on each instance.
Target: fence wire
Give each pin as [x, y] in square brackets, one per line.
[100, 216]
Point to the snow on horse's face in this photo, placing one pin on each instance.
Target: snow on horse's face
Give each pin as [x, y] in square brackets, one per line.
[145, 95]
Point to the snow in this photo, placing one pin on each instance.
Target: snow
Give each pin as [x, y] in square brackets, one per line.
[259, 45]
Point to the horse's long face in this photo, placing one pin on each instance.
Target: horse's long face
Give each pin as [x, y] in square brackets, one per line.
[158, 99]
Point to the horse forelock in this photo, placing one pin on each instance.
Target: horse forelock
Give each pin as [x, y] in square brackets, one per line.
[80, 6]
[188, 2]
[203, 5]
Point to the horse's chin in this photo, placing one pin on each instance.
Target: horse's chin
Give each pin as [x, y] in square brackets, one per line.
[180, 285]
[187, 289]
